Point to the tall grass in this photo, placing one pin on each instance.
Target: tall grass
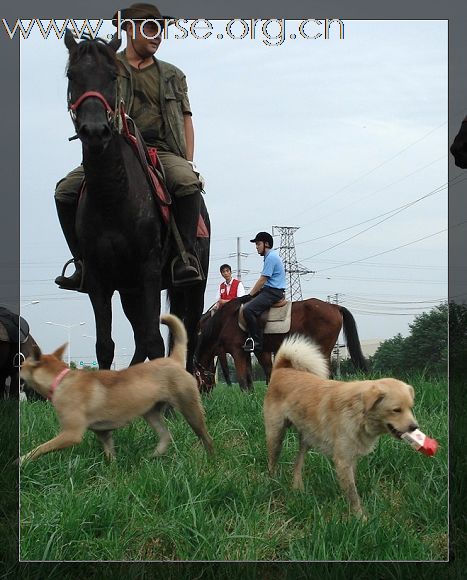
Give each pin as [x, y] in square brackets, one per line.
[184, 506]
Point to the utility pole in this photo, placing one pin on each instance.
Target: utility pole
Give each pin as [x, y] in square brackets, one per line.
[293, 270]
[334, 299]
[239, 256]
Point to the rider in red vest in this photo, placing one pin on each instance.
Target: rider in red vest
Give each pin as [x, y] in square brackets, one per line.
[229, 289]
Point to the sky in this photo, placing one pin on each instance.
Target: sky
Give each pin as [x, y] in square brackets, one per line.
[344, 139]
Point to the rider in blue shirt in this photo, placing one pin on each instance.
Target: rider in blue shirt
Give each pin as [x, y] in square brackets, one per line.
[269, 289]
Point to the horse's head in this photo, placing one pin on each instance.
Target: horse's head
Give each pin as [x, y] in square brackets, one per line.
[459, 146]
[205, 377]
[92, 88]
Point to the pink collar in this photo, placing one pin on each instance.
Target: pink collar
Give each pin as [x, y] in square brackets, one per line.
[56, 382]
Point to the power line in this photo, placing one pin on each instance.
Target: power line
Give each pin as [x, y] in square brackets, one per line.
[373, 169]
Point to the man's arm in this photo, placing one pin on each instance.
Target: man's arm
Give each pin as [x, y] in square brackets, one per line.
[258, 285]
[189, 137]
[240, 290]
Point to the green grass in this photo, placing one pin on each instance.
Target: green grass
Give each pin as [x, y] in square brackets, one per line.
[184, 506]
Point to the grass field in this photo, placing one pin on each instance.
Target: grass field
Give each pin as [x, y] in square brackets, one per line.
[184, 506]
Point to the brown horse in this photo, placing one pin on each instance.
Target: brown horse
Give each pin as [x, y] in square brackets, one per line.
[219, 353]
[318, 320]
[459, 146]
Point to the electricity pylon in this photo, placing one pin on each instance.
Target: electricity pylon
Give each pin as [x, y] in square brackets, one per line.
[293, 270]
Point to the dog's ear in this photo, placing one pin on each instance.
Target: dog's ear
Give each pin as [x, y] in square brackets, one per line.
[412, 392]
[59, 352]
[36, 353]
[372, 397]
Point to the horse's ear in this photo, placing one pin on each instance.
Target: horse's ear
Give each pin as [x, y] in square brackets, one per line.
[36, 353]
[115, 42]
[70, 41]
[59, 352]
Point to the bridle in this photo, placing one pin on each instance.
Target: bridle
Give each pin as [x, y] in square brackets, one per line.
[72, 107]
[203, 375]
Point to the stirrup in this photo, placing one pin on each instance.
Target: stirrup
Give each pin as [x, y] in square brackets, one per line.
[249, 345]
[62, 275]
[194, 263]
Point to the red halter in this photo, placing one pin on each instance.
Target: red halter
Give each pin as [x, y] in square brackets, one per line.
[88, 95]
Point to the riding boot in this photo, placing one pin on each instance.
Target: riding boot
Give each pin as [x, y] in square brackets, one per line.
[254, 342]
[66, 214]
[186, 217]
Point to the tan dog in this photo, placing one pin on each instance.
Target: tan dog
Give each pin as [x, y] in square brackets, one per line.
[106, 400]
[343, 420]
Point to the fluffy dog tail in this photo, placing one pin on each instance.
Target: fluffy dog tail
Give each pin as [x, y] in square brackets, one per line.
[179, 337]
[302, 354]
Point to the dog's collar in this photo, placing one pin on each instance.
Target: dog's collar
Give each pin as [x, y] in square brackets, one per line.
[56, 382]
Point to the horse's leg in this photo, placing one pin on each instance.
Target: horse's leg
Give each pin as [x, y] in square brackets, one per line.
[152, 311]
[222, 357]
[242, 363]
[133, 307]
[102, 306]
[265, 360]
[187, 304]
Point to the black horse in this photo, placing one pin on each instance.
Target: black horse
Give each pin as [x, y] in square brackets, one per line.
[459, 146]
[15, 345]
[124, 242]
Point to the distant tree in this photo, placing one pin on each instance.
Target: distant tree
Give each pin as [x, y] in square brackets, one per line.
[424, 350]
[390, 356]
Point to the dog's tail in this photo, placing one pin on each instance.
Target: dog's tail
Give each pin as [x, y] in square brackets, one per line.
[179, 337]
[302, 354]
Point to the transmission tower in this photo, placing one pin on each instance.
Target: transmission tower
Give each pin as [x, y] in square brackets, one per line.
[293, 270]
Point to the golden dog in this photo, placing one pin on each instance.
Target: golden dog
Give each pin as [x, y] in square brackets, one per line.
[343, 420]
[106, 400]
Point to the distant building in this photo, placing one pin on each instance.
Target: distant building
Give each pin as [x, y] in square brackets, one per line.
[369, 347]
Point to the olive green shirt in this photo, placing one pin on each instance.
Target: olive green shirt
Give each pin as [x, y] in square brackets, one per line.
[156, 98]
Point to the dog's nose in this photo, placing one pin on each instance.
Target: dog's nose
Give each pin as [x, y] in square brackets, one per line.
[412, 427]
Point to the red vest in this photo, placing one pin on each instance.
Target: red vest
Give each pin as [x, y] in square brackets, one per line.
[233, 290]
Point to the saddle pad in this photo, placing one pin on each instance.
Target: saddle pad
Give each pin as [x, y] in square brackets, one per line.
[277, 322]
[13, 328]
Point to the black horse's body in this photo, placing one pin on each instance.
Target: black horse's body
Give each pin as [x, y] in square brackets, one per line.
[123, 240]
[11, 356]
[459, 146]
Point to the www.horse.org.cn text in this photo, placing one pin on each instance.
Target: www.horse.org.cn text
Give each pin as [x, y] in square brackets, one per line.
[270, 32]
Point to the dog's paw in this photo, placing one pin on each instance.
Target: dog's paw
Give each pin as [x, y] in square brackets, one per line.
[298, 485]
[361, 515]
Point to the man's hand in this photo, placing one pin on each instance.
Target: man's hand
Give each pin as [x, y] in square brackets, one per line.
[244, 299]
[198, 174]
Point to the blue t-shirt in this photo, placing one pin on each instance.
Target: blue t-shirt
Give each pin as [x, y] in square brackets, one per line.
[273, 269]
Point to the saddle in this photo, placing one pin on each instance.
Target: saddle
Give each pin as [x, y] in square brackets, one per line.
[276, 320]
[13, 328]
[154, 172]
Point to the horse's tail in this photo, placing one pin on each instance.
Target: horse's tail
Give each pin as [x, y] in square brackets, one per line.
[179, 337]
[352, 340]
[300, 353]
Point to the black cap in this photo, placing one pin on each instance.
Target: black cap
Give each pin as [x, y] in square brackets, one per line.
[263, 237]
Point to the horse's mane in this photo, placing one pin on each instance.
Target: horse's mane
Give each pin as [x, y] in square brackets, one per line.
[98, 48]
[210, 333]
